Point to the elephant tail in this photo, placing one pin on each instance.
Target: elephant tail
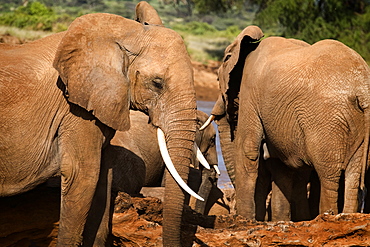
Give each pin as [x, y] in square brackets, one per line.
[366, 147]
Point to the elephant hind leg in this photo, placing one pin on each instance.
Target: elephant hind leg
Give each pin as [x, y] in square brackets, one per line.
[300, 202]
[263, 189]
[329, 187]
[352, 184]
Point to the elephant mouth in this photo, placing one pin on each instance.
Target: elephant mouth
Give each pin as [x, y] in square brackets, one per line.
[171, 168]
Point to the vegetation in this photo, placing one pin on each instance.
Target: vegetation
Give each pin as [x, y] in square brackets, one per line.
[208, 26]
[345, 20]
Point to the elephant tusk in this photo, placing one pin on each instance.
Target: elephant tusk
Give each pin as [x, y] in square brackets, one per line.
[216, 169]
[208, 122]
[266, 154]
[201, 158]
[171, 168]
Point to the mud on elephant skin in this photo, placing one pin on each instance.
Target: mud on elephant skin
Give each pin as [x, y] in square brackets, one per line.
[136, 160]
[309, 103]
[62, 98]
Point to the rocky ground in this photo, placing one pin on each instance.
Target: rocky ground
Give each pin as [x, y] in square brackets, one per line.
[31, 219]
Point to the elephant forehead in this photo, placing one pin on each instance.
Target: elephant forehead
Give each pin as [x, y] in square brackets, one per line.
[157, 60]
[167, 39]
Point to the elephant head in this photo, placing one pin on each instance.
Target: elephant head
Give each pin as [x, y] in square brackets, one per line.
[225, 110]
[110, 65]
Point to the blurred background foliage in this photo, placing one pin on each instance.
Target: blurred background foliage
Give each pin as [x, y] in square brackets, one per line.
[208, 26]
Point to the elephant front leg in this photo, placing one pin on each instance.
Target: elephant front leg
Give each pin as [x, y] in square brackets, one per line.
[80, 171]
[78, 188]
[245, 185]
[248, 143]
[95, 234]
[246, 173]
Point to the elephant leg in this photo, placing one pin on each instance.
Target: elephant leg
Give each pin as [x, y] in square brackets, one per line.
[96, 234]
[367, 197]
[314, 194]
[329, 186]
[300, 205]
[80, 170]
[245, 183]
[248, 143]
[289, 192]
[282, 190]
[263, 188]
[280, 206]
[352, 184]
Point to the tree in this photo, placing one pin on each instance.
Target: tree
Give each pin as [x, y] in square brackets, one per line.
[313, 20]
[215, 6]
[206, 6]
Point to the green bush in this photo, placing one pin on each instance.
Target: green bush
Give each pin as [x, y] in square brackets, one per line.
[312, 21]
[231, 32]
[35, 16]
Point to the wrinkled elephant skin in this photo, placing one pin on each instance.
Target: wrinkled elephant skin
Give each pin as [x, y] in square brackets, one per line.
[64, 95]
[308, 103]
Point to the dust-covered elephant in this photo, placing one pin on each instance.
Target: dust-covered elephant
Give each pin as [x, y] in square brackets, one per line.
[63, 97]
[309, 103]
[136, 160]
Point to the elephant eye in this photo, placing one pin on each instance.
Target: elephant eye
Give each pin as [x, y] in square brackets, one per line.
[157, 83]
[227, 57]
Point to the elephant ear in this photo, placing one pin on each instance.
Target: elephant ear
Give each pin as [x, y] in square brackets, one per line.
[146, 14]
[230, 74]
[237, 52]
[92, 63]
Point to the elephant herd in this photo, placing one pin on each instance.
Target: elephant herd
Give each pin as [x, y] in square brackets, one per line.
[89, 104]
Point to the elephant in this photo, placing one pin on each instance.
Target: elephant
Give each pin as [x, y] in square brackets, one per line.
[308, 103]
[136, 160]
[278, 187]
[65, 95]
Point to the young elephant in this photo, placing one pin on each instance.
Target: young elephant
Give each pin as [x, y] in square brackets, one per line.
[63, 97]
[309, 103]
[137, 161]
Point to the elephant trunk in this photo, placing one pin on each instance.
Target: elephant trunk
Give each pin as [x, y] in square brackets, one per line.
[180, 135]
[227, 147]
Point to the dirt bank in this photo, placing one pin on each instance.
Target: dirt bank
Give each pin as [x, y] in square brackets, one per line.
[31, 219]
[205, 80]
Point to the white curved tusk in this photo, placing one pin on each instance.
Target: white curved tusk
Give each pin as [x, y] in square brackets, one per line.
[216, 169]
[201, 158]
[171, 168]
[208, 122]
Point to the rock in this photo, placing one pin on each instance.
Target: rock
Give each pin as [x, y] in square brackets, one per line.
[153, 192]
